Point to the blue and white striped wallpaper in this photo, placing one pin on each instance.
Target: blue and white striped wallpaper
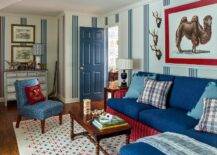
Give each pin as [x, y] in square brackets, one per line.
[166, 70]
[2, 54]
[106, 21]
[44, 40]
[75, 61]
[130, 36]
[146, 37]
[117, 18]
[192, 72]
[94, 21]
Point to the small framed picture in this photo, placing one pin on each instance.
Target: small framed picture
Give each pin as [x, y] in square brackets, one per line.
[22, 33]
[21, 54]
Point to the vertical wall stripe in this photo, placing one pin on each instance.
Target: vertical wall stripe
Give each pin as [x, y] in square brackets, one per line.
[166, 70]
[130, 28]
[106, 21]
[130, 39]
[63, 38]
[44, 40]
[23, 21]
[58, 55]
[94, 21]
[106, 57]
[75, 62]
[146, 38]
[192, 72]
[117, 18]
[2, 55]
[166, 2]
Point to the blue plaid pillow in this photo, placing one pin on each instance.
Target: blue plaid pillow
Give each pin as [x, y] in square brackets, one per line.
[208, 121]
[155, 93]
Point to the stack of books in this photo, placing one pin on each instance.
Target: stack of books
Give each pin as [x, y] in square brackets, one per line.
[103, 123]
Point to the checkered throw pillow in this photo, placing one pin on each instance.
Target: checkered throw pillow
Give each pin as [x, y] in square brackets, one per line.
[155, 93]
[208, 120]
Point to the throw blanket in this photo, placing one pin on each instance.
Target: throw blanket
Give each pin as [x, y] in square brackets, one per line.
[177, 144]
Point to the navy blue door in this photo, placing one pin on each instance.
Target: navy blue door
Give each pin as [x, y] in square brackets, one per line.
[91, 63]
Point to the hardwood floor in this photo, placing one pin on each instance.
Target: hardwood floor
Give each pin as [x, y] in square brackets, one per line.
[8, 143]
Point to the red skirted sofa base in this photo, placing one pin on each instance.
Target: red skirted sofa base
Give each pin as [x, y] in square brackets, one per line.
[139, 130]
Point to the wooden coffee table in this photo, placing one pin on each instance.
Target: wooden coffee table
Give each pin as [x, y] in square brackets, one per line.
[94, 134]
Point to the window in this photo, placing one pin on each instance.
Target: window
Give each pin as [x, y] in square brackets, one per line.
[112, 47]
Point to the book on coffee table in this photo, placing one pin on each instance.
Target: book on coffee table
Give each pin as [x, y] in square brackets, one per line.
[103, 123]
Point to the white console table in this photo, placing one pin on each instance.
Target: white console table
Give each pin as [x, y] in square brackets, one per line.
[11, 76]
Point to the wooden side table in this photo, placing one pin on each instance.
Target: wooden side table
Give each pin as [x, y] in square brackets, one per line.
[112, 91]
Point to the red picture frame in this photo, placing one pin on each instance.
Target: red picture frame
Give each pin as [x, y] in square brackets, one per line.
[176, 9]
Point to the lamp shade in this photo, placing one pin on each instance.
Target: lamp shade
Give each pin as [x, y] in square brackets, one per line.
[125, 64]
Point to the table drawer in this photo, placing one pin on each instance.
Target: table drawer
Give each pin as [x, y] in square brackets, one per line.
[11, 96]
[22, 74]
[11, 89]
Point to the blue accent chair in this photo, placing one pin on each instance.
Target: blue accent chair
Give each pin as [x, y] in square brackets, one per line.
[39, 111]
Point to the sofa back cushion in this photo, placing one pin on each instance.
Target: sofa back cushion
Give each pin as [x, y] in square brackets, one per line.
[186, 92]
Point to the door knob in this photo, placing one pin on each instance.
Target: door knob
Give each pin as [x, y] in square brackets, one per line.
[81, 68]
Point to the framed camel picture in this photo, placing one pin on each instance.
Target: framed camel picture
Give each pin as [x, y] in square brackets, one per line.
[191, 34]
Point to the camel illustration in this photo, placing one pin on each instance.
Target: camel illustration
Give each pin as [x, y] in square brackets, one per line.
[193, 31]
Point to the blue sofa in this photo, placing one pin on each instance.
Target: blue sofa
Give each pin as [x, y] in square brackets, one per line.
[183, 96]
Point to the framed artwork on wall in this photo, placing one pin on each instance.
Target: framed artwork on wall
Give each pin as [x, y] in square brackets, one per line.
[22, 33]
[191, 34]
[21, 54]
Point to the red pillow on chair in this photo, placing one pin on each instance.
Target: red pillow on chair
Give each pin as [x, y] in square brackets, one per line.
[34, 94]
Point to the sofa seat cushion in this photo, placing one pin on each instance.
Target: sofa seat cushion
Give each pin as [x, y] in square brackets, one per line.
[208, 138]
[42, 110]
[128, 107]
[171, 119]
[139, 149]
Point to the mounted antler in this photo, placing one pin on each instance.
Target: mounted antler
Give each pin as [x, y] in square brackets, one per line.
[158, 19]
[158, 52]
[154, 36]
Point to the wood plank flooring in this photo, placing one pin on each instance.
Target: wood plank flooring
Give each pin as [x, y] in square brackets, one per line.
[8, 143]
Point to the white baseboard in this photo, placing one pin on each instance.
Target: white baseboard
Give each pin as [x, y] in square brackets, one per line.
[68, 100]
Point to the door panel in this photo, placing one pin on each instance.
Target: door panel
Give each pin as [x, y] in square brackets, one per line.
[92, 63]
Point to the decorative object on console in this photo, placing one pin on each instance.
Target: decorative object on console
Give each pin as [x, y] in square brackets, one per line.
[12, 65]
[208, 121]
[158, 19]
[87, 106]
[38, 53]
[21, 54]
[113, 84]
[188, 33]
[155, 93]
[113, 75]
[22, 33]
[124, 64]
